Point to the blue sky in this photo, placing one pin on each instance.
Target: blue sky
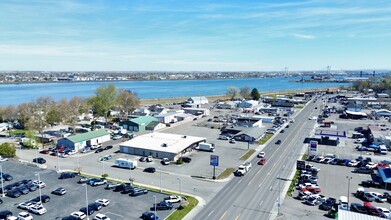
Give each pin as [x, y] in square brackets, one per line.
[185, 35]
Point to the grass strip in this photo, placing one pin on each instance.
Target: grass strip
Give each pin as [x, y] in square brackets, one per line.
[226, 173]
[265, 138]
[247, 154]
[295, 177]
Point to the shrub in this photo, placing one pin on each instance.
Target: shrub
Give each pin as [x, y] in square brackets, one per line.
[7, 150]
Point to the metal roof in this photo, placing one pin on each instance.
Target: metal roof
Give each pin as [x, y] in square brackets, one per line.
[347, 215]
[144, 120]
[87, 136]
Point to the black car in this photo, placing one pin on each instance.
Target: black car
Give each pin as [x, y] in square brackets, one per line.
[142, 159]
[368, 183]
[95, 206]
[186, 159]
[84, 210]
[278, 142]
[356, 207]
[66, 175]
[18, 183]
[13, 193]
[328, 204]
[23, 189]
[59, 191]
[45, 199]
[5, 214]
[32, 187]
[363, 170]
[150, 170]
[119, 188]
[163, 205]
[27, 181]
[111, 185]
[149, 216]
[99, 150]
[108, 147]
[138, 192]
[39, 160]
[7, 176]
[70, 217]
[127, 189]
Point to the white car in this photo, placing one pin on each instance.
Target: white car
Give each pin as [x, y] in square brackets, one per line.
[172, 199]
[101, 217]
[72, 152]
[149, 159]
[40, 184]
[26, 205]
[38, 209]
[104, 202]
[371, 165]
[24, 216]
[386, 213]
[353, 163]
[261, 154]
[79, 215]
[378, 197]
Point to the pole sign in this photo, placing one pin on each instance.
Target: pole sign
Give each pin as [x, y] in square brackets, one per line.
[214, 160]
[313, 147]
[300, 165]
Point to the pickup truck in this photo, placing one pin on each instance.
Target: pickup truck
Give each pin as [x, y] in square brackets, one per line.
[243, 169]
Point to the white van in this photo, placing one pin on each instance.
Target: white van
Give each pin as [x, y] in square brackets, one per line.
[343, 203]
[383, 149]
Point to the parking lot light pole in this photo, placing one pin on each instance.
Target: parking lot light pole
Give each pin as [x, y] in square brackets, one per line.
[2, 181]
[85, 185]
[160, 171]
[154, 196]
[349, 178]
[39, 188]
[58, 162]
[180, 188]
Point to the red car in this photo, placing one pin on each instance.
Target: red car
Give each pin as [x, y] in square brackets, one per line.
[44, 152]
[262, 161]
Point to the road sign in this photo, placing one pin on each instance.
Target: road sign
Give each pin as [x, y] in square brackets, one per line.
[214, 160]
[300, 165]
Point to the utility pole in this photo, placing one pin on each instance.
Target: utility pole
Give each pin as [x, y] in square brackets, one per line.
[349, 178]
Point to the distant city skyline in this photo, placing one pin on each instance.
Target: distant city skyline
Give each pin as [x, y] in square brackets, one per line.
[175, 35]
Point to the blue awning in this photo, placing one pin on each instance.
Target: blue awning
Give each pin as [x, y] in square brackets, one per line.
[385, 174]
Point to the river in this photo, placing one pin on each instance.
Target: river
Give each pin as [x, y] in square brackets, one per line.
[14, 94]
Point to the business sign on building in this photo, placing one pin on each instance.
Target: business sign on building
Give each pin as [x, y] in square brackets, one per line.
[214, 160]
[300, 165]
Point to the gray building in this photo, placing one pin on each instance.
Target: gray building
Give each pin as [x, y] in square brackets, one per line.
[79, 141]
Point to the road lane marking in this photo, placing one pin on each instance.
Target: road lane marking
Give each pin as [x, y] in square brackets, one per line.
[211, 212]
[240, 180]
[260, 204]
[223, 215]
[237, 217]
[271, 188]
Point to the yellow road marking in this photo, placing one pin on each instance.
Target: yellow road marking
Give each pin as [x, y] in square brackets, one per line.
[223, 215]
[237, 217]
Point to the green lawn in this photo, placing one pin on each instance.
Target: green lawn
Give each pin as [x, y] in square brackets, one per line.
[17, 132]
[247, 154]
[265, 138]
[225, 173]
[293, 183]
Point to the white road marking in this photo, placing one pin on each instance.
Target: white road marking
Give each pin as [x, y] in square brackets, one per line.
[211, 212]
[260, 204]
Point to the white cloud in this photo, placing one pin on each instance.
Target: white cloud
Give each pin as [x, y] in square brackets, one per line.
[304, 36]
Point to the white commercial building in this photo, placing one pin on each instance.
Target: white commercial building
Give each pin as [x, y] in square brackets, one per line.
[161, 145]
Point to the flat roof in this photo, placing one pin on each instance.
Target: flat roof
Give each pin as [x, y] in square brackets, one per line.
[172, 143]
[347, 215]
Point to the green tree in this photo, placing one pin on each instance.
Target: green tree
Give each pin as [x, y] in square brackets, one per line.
[255, 94]
[232, 92]
[7, 150]
[105, 98]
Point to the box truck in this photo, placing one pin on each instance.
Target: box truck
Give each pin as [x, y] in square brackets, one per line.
[206, 147]
[126, 163]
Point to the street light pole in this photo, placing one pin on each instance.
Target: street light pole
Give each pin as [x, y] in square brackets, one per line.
[85, 185]
[279, 196]
[39, 187]
[161, 190]
[2, 182]
[349, 178]
[154, 196]
[180, 188]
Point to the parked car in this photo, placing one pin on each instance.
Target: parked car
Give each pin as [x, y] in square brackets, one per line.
[368, 197]
[328, 204]
[84, 210]
[372, 210]
[100, 216]
[315, 200]
[303, 195]
[369, 183]
[13, 193]
[371, 165]
[150, 169]
[104, 202]
[142, 159]
[110, 185]
[23, 189]
[353, 163]
[32, 187]
[163, 205]
[186, 159]
[59, 191]
[363, 170]
[172, 199]
[66, 175]
[5, 214]
[138, 192]
[39, 160]
[378, 197]
[108, 147]
[356, 207]
[26, 205]
[95, 206]
[83, 180]
[149, 216]
[6, 176]
[38, 209]
[99, 150]
[45, 199]
[24, 216]
[79, 215]
[385, 212]
[119, 188]
[127, 189]
[97, 182]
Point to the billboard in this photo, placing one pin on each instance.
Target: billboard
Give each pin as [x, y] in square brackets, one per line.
[300, 165]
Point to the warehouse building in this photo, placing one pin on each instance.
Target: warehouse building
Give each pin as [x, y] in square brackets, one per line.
[161, 145]
[80, 141]
[138, 124]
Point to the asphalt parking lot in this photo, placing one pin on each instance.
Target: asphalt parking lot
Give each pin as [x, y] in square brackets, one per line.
[122, 206]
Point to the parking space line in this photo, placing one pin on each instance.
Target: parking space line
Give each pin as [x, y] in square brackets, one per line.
[211, 212]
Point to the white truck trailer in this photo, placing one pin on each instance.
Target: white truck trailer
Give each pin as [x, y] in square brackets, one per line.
[243, 169]
[206, 147]
[126, 163]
